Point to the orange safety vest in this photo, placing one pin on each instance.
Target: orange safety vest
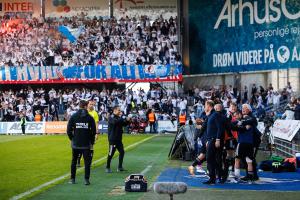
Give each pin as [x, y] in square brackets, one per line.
[151, 117]
[38, 118]
[182, 119]
[291, 160]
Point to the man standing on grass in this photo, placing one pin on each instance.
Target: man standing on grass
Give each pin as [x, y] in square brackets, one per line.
[94, 115]
[23, 123]
[81, 131]
[115, 131]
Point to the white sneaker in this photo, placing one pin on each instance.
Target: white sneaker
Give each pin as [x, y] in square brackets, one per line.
[235, 180]
[231, 174]
[200, 170]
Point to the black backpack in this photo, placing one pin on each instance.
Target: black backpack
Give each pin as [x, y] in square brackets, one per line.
[266, 165]
[288, 167]
[276, 167]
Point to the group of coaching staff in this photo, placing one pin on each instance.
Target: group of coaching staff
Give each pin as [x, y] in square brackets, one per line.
[228, 139]
[82, 131]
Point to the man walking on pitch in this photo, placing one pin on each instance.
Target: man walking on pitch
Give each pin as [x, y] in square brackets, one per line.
[81, 131]
[115, 131]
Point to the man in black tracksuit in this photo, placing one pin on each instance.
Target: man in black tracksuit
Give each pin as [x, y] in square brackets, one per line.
[115, 131]
[81, 131]
[214, 135]
[219, 151]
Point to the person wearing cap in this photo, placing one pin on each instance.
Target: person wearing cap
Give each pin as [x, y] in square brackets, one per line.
[81, 131]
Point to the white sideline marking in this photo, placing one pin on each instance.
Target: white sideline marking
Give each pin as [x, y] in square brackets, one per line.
[24, 194]
[146, 170]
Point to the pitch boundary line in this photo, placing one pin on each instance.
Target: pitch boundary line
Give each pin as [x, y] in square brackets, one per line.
[38, 188]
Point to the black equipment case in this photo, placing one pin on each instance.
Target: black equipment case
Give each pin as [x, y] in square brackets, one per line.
[136, 183]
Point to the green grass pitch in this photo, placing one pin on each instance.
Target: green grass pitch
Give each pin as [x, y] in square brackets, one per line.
[29, 161]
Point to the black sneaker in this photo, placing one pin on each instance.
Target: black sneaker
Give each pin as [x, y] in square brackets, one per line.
[246, 178]
[255, 178]
[108, 170]
[72, 181]
[121, 169]
[209, 182]
[222, 180]
[87, 182]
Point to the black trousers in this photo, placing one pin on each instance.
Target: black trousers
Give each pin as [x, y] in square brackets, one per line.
[87, 156]
[254, 162]
[220, 161]
[152, 127]
[112, 149]
[214, 160]
[23, 129]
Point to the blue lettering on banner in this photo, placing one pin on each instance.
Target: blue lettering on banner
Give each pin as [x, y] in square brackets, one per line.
[115, 72]
[48, 73]
[103, 72]
[103, 127]
[132, 71]
[3, 128]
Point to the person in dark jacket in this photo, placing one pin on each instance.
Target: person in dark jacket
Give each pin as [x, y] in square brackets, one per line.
[81, 130]
[230, 140]
[222, 176]
[297, 110]
[245, 150]
[199, 138]
[115, 132]
[214, 135]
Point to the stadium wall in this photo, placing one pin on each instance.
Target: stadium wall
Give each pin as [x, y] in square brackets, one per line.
[91, 8]
[278, 78]
[214, 30]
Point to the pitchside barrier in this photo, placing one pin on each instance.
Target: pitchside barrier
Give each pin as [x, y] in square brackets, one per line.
[60, 127]
[163, 126]
[286, 137]
[12, 128]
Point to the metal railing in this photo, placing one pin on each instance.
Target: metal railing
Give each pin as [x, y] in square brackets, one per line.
[272, 108]
[286, 148]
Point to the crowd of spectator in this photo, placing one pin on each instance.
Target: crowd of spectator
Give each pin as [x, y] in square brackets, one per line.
[54, 103]
[124, 41]
[59, 104]
[261, 99]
